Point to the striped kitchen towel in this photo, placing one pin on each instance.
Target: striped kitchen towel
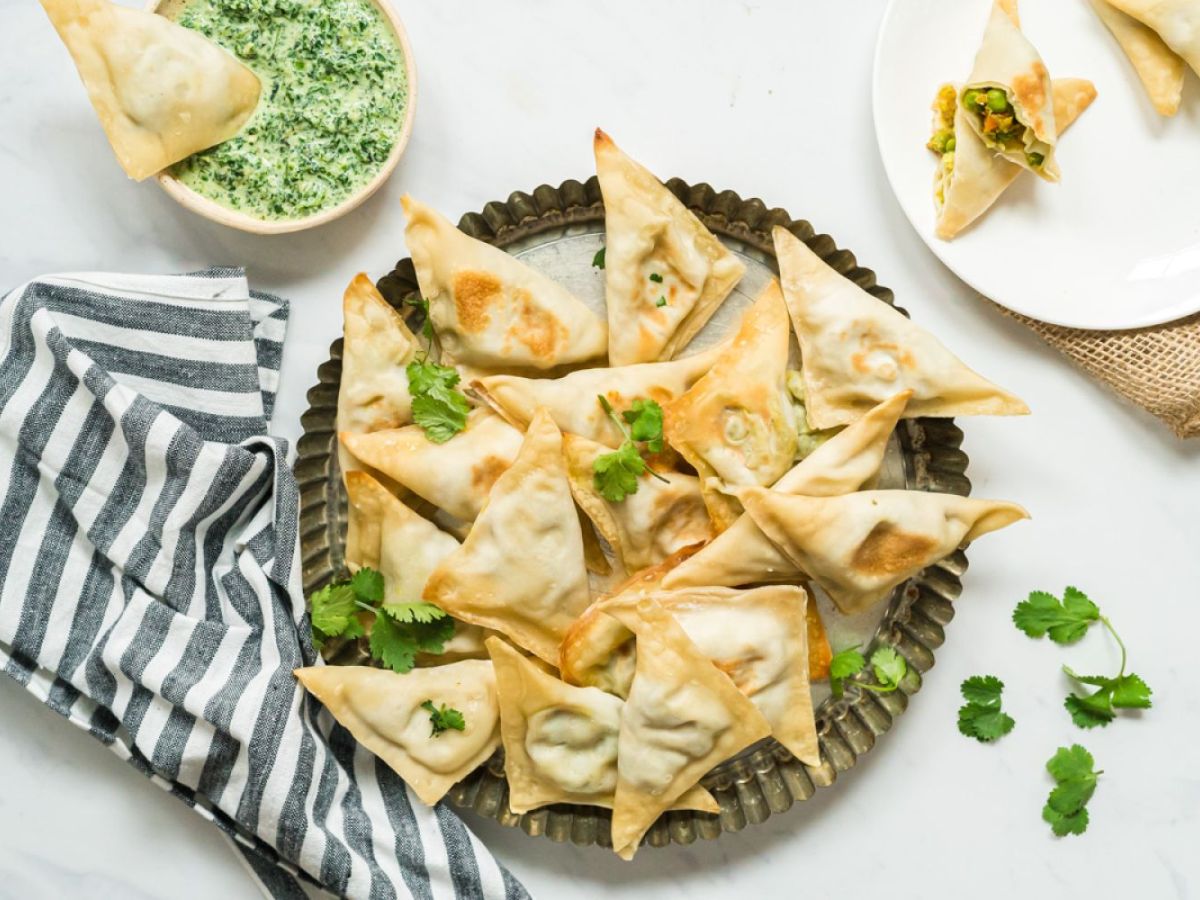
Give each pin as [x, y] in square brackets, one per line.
[150, 584]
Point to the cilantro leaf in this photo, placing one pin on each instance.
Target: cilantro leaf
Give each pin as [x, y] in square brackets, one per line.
[889, 666]
[444, 718]
[367, 585]
[1065, 621]
[333, 609]
[656, 278]
[1099, 707]
[660, 302]
[1091, 710]
[980, 717]
[615, 475]
[392, 645]
[598, 259]
[414, 611]
[424, 375]
[846, 663]
[645, 420]
[427, 321]
[1073, 770]
[437, 407]
[1130, 692]
[983, 690]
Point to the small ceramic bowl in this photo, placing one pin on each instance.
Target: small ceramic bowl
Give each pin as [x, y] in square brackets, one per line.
[210, 209]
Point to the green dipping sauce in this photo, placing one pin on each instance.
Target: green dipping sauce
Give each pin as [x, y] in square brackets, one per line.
[335, 92]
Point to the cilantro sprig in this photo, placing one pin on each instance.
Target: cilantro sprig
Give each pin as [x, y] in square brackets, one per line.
[399, 631]
[888, 666]
[443, 718]
[615, 475]
[1073, 770]
[1065, 622]
[439, 409]
[981, 717]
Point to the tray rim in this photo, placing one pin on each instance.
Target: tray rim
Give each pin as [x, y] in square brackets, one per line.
[764, 779]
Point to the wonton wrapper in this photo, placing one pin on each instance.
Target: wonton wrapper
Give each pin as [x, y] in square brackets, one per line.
[647, 526]
[560, 741]
[489, 309]
[848, 461]
[1161, 71]
[857, 351]
[382, 709]
[455, 476]
[759, 638]
[571, 399]
[649, 232]
[373, 393]
[682, 718]
[980, 176]
[859, 546]
[521, 570]
[1177, 22]
[162, 92]
[738, 422]
[1008, 61]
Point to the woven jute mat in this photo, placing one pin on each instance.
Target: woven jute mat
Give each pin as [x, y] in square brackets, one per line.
[1158, 368]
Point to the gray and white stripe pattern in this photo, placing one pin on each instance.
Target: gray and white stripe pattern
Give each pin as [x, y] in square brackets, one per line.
[150, 585]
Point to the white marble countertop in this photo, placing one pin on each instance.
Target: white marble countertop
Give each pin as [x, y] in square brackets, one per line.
[770, 99]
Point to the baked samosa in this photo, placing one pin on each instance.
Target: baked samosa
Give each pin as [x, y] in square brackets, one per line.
[681, 718]
[560, 741]
[970, 177]
[665, 274]
[857, 351]
[162, 91]
[1177, 22]
[488, 308]
[1007, 98]
[645, 528]
[738, 422]
[382, 709]
[1160, 70]
[571, 399]
[848, 461]
[521, 570]
[859, 546]
[455, 476]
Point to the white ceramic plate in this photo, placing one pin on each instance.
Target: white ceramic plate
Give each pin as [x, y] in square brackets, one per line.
[1116, 244]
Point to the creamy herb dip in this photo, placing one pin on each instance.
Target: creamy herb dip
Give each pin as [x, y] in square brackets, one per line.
[334, 96]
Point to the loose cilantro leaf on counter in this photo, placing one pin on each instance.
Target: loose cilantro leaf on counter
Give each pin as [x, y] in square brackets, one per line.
[439, 409]
[444, 718]
[615, 475]
[1100, 706]
[981, 717]
[598, 259]
[1065, 621]
[1073, 770]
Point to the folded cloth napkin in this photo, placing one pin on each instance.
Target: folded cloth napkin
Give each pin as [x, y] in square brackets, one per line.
[150, 579]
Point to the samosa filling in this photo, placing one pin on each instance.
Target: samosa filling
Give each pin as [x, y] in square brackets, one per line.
[1001, 127]
[943, 141]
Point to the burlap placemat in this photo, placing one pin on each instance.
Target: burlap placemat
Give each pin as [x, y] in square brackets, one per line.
[1157, 368]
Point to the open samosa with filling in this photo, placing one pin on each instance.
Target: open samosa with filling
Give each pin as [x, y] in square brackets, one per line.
[1160, 69]
[382, 709]
[488, 308]
[571, 400]
[162, 92]
[682, 717]
[848, 461]
[1177, 22]
[859, 546]
[665, 274]
[521, 570]
[1008, 100]
[857, 351]
[560, 741]
[456, 475]
[658, 519]
[970, 177]
[738, 422]
[373, 393]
